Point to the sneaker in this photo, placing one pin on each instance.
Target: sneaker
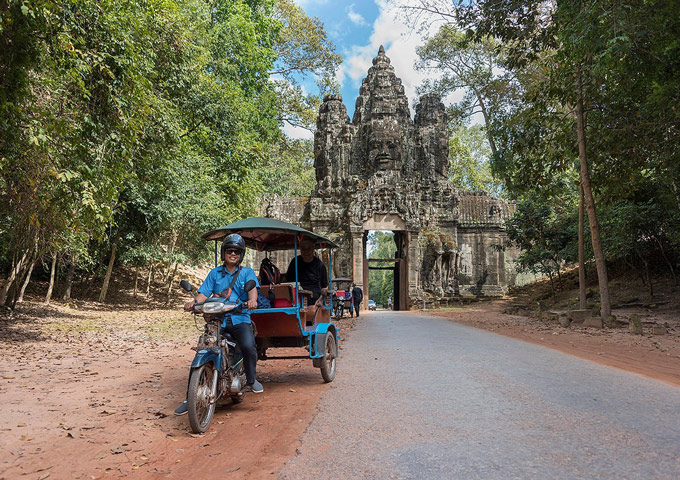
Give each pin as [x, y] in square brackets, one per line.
[255, 387]
[182, 409]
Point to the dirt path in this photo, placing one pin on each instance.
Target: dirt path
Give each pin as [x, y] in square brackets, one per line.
[89, 393]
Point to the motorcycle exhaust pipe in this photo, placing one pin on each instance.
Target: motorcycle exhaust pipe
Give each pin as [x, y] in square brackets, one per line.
[236, 385]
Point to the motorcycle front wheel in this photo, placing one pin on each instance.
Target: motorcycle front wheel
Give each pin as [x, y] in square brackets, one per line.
[201, 410]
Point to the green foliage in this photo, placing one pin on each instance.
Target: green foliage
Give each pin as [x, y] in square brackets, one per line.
[621, 59]
[543, 234]
[288, 170]
[381, 282]
[303, 51]
[146, 123]
[641, 225]
[470, 157]
[463, 64]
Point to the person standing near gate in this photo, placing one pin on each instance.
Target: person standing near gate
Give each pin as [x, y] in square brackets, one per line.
[357, 297]
[389, 303]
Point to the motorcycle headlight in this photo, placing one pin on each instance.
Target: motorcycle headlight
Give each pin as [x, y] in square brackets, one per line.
[213, 307]
[218, 307]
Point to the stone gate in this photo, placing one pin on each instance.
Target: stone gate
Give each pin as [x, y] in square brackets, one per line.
[385, 171]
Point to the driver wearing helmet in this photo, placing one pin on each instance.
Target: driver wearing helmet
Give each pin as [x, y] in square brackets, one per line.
[218, 283]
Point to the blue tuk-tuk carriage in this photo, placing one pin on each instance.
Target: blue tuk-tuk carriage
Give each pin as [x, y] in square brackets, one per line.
[291, 321]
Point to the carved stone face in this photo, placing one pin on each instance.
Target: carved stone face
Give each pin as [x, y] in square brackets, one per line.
[384, 148]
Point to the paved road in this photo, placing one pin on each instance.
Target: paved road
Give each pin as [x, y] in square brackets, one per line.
[419, 397]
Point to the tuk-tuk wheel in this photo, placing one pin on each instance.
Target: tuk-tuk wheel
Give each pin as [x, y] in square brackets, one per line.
[327, 366]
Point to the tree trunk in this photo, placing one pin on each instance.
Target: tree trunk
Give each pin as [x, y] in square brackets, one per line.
[149, 279]
[170, 282]
[650, 287]
[53, 269]
[559, 276]
[134, 291]
[166, 275]
[171, 272]
[27, 279]
[581, 253]
[603, 282]
[16, 268]
[69, 279]
[552, 285]
[107, 277]
[487, 122]
[668, 262]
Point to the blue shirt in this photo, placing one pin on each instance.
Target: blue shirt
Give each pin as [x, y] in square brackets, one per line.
[216, 283]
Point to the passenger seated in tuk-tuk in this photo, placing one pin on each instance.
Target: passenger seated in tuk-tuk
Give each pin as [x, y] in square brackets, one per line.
[312, 273]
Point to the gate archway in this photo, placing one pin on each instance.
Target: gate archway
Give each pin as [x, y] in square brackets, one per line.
[398, 263]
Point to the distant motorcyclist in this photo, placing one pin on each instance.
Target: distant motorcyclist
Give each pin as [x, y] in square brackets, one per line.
[219, 283]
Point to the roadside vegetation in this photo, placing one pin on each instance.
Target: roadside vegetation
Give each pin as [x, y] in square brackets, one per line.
[577, 101]
[128, 128]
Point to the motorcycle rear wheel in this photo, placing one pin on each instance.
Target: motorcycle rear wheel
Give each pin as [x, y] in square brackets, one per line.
[201, 410]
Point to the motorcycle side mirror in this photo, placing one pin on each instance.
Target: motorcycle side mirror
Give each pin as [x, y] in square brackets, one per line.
[187, 286]
[250, 284]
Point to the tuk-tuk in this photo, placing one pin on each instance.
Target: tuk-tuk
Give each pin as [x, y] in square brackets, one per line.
[342, 296]
[291, 321]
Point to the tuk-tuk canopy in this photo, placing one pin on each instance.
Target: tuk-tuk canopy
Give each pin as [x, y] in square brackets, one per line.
[267, 234]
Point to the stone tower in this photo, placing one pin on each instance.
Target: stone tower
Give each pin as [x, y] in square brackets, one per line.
[385, 171]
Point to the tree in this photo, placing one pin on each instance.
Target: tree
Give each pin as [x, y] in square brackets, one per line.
[302, 51]
[470, 161]
[543, 236]
[469, 65]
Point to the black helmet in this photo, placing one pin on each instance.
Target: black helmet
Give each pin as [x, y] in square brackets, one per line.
[233, 240]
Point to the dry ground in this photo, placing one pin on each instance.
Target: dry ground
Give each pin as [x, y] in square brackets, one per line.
[90, 393]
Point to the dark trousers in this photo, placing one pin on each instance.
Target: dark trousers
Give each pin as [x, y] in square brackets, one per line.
[243, 335]
[356, 304]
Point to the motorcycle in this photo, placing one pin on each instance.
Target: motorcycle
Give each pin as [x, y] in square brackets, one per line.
[217, 369]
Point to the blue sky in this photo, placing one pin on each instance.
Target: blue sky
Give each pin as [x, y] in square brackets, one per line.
[358, 28]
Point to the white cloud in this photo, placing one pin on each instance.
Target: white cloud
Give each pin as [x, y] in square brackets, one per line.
[296, 132]
[355, 17]
[400, 44]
